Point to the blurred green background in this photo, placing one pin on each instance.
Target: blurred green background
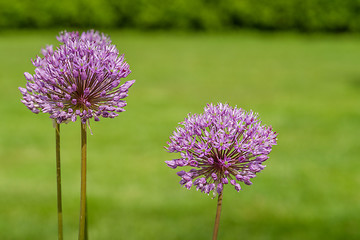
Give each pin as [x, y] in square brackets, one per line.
[213, 15]
[307, 86]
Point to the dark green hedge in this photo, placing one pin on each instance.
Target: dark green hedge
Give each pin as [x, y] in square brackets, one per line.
[303, 15]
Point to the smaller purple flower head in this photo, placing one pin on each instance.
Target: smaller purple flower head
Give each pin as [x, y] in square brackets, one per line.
[80, 78]
[222, 146]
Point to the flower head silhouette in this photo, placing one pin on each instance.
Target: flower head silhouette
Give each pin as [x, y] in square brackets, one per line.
[80, 78]
[224, 145]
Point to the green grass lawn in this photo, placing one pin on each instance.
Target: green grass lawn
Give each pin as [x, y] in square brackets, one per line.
[306, 87]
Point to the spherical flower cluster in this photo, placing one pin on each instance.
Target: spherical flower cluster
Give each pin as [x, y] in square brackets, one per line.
[222, 146]
[81, 78]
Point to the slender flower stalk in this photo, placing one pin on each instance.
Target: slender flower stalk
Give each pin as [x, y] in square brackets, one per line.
[217, 217]
[86, 220]
[82, 230]
[58, 181]
[222, 146]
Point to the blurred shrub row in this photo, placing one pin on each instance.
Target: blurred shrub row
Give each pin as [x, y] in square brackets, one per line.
[303, 15]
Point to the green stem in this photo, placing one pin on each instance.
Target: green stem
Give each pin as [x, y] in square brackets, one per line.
[82, 228]
[86, 221]
[217, 218]
[58, 181]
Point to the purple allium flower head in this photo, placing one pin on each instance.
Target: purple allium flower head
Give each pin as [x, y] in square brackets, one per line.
[80, 78]
[221, 146]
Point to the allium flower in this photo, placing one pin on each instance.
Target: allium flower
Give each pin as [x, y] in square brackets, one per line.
[224, 145]
[81, 78]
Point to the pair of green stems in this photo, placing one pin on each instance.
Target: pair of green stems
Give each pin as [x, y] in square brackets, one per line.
[83, 230]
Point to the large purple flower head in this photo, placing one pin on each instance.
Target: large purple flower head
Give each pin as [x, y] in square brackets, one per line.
[81, 78]
[224, 145]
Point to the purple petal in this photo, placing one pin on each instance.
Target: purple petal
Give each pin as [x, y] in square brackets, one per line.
[22, 90]
[171, 164]
[237, 187]
[28, 76]
[219, 188]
